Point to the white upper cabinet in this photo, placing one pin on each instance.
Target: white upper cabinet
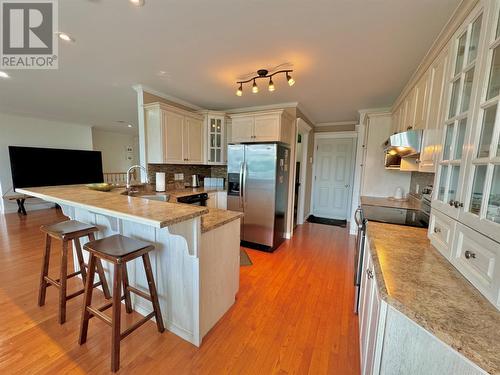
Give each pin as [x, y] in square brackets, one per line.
[193, 140]
[215, 124]
[242, 129]
[437, 76]
[268, 126]
[173, 129]
[481, 198]
[173, 135]
[462, 81]
[421, 98]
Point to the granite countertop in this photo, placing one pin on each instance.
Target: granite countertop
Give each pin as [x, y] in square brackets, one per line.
[410, 203]
[414, 278]
[216, 218]
[178, 193]
[154, 213]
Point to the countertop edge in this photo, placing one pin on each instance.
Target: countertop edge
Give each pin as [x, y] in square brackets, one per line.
[218, 224]
[118, 214]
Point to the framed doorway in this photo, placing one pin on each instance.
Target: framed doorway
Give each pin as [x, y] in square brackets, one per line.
[333, 174]
[301, 167]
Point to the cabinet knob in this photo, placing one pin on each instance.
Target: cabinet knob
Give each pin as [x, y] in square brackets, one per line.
[458, 204]
[452, 203]
[469, 254]
[369, 272]
[437, 230]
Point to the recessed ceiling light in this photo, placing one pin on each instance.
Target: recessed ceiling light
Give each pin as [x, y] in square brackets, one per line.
[138, 3]
[129, 125]
[65, 37]
[4, 75]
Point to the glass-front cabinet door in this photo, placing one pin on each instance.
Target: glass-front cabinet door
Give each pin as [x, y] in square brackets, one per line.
[482, 199]
[458, 118]
[216, 140]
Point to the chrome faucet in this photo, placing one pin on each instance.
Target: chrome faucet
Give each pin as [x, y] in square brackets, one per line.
[131, 169]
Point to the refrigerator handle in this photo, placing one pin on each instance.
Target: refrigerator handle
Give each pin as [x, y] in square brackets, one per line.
[241, 184]
[244, 188]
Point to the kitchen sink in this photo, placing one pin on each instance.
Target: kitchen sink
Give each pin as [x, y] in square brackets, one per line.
[154, 197]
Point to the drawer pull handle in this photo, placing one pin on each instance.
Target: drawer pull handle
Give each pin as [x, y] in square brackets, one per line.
[469, 254]
[369, 273]
[437, 230]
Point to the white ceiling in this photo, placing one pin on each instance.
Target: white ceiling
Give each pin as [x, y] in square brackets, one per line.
[347, 55]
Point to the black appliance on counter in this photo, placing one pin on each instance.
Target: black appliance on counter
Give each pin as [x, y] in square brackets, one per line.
[199, 199]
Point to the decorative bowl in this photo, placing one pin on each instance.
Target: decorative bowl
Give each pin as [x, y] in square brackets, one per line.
[104, 186]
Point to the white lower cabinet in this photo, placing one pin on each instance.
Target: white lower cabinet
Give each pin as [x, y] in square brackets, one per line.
[217, 199]
[410, 349]
[212, 200]
[477, 257]
[441, 231]
[392, 344]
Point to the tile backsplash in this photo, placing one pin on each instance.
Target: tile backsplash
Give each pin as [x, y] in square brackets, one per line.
[187, 170]
[421, 179]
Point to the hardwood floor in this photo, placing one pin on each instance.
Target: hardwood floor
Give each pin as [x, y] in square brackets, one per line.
[293, 314]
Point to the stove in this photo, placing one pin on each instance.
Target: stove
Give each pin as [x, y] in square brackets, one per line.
[401, 216]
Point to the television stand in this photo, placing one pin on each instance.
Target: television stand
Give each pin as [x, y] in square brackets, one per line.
[20, 199]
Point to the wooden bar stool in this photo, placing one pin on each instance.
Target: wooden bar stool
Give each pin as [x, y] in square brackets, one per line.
[67, 231]
[118, 250]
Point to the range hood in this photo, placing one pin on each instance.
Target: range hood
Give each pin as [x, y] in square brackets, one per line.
[407, 143]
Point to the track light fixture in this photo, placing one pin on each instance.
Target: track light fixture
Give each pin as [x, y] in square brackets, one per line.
[264, 73]
[255, 88]
[239, 92]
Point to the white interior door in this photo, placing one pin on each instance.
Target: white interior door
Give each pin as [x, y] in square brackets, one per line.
[333, 175]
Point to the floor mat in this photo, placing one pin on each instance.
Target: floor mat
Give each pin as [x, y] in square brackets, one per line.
[244, 258]
[323, 220]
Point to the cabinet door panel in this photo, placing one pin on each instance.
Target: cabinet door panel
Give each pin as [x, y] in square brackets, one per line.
[154, 136]
[173, 129]
[421, 102]
[437, 93]
[194, 140]
[267, 128]
[242, 129]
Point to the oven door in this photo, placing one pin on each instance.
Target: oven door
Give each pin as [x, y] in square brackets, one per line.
[358, 256]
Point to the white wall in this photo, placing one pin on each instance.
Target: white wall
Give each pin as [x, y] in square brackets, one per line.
[113, 147]
[378, 181]
[28, 131]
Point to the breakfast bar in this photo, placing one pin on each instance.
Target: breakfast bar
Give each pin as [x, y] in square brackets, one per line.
[196, 258]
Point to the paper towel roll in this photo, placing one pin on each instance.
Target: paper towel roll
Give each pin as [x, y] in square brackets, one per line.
[160, 181]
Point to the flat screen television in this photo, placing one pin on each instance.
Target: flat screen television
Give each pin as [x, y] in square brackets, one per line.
[34, 166]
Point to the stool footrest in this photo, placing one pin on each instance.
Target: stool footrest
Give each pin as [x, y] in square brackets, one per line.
[136, 325]
[57, 282]
[51, 281]
[139, 292]
[96, 312]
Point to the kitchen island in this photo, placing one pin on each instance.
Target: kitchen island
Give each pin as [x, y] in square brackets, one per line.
[196, 258]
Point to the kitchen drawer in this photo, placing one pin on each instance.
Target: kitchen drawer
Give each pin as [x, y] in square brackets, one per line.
[477, 257]
[441, 229]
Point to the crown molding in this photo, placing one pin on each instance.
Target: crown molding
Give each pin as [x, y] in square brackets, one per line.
[262, 107]
[445, 35]
[335, 123]
[364, 114]
[142, 88]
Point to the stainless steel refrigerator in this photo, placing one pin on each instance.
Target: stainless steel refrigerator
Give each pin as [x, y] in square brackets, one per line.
[258, 187]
